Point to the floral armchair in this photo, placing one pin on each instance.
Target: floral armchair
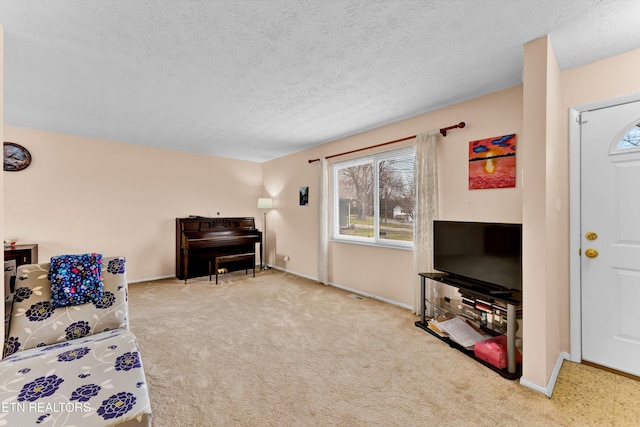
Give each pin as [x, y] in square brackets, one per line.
[72, 365]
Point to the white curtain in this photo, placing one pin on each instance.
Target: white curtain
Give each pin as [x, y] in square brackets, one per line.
[323, 223]
[427, 209]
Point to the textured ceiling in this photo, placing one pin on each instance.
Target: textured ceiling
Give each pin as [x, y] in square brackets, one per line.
[259, 79]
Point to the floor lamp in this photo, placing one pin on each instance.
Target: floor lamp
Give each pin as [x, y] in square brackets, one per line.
[265, 203]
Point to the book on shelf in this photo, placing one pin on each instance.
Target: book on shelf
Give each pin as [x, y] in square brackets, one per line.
[468, 301]
[499, 304]
[502, 311]
[435, 325]
[470, 313]
[483, 305]
[461, 332]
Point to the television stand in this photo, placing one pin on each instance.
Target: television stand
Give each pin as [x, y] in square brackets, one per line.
[505, 293]
[512, 371]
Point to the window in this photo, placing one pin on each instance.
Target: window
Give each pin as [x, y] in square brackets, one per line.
[630, 140]
[374, 199]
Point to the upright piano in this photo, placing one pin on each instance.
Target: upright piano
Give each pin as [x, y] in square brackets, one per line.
[200, 239]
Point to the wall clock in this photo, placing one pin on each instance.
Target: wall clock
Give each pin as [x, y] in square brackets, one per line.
[16, 157]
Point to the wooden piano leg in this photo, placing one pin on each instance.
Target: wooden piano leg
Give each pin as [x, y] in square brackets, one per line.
[185, 263]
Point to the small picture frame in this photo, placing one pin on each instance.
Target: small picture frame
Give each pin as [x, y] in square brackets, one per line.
[304, 196]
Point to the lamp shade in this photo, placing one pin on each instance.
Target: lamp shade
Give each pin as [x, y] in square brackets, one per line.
[265, 203]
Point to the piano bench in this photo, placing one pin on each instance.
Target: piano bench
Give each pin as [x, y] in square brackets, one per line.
[232, 258]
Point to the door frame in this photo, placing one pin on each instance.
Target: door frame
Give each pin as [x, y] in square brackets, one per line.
[575, 238]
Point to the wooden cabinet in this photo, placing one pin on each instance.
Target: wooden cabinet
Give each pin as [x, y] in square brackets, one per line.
[23, 254]
[14, 256]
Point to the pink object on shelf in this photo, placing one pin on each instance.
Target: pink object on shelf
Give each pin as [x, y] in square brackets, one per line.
[494, 351]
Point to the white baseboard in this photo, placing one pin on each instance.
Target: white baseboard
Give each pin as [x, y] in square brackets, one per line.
[335, 285]
[293, 272]
[372, 296]
[149, 279]
[346, 288]
[171, 276]
[548, 390]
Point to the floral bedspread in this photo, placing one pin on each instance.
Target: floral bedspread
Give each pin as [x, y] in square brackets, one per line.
[92, 381]
[76, 365]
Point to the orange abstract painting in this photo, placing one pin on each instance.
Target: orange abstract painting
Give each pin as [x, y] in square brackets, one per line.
[492, 162]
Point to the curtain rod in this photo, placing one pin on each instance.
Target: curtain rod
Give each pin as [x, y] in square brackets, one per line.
[443, 131]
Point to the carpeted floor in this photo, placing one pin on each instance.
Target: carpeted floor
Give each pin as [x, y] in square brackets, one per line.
[280, 350]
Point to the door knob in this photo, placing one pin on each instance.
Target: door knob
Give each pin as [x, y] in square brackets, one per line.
[591, 235]
[591, 253]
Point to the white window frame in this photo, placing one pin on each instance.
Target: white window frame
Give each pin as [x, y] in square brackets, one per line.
[376, 240]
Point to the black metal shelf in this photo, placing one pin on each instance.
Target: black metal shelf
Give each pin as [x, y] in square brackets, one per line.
[449, 309]
[503, 372]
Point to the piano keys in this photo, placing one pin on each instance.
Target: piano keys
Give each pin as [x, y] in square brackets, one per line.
[200, 239]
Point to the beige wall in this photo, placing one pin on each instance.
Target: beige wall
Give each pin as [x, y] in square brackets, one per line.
[545, 214]
[607, 79]
[388, 273]
[89, 195]
[548, 95]
[2, 174]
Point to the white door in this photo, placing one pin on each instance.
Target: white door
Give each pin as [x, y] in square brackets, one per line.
[610, 230]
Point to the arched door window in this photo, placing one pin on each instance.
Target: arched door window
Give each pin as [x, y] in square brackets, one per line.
[630, 140]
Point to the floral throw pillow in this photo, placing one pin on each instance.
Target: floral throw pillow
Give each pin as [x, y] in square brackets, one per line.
[75, 279]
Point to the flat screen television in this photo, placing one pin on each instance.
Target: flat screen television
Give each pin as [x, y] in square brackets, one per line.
[487, 255]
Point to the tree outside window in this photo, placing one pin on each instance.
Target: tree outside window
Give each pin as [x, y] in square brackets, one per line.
[374, 199]
[631, 139]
